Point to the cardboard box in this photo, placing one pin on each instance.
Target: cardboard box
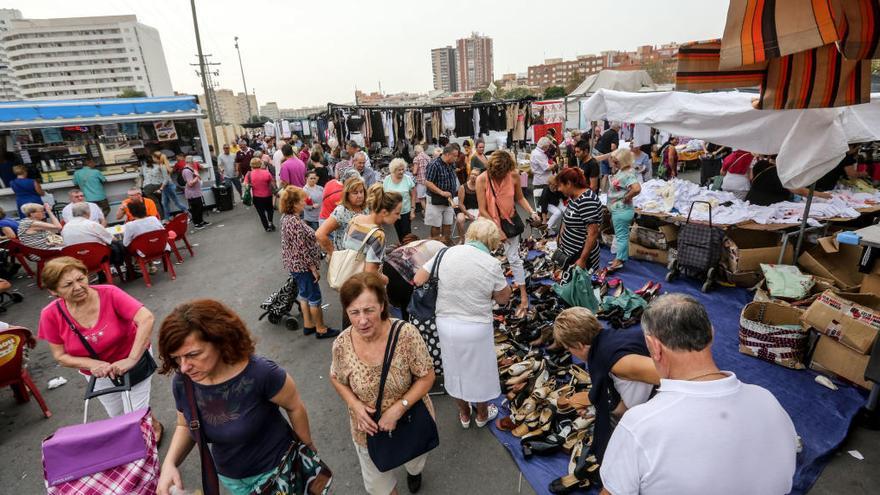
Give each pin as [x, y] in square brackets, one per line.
[663, 237]
[742, 279]
[745, 250]
[870, 284]
[833, 358]
[836, 262]
[851, 319]
[639, 252]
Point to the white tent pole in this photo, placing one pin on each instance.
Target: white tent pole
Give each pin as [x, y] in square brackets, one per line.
[800, 241]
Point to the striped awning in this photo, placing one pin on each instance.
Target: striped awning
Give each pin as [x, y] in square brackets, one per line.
[27, 114]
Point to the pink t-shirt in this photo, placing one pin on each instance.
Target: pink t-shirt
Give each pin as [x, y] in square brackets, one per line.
[113, 335]
[261, 181]
[332, 197]
[293, 171]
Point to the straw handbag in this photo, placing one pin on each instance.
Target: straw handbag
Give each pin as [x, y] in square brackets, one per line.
[346, 262]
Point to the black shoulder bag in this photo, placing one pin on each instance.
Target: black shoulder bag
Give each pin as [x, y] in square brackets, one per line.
[423, 303]
[416, 432]
[142, 370]
[210, 481]
[511, 227]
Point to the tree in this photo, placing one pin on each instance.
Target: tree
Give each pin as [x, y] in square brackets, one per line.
[554, 92]
[515, 93]
[659, 73]
[482, 95]
[131, 93]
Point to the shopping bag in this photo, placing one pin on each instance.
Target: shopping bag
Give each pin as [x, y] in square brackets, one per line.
[346, 262]
[578, 290]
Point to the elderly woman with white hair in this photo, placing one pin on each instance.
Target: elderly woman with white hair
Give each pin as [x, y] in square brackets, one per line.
[542, 169]
[623, 186]
[34, 231]
[470, 281]
[398, 181]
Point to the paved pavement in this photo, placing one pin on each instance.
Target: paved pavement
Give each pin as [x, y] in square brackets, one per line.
[237, 263]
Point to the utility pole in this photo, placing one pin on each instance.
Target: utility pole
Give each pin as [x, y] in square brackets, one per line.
[204, 73]
[212, 102]
[246, 99]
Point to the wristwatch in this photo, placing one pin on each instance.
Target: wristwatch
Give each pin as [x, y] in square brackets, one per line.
[405, 403]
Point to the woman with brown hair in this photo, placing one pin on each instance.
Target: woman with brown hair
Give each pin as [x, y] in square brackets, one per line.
[358, 354]
[238, 397]
[116, 326]
[353, 203]
[384, 209]
[300, 256]
[498, 193]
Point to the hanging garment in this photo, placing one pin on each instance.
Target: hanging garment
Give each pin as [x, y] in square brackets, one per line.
[510, 115]
[368, 128]
[484, 121]
[497, 118]
[448, 119]
[419, 123]
[519, 130]
[476, 118]
[409, 125]
[389, 128]
[399, 128]
[641, 134]
[464, 122]
[377, 126]
[437, 124]
[429, 127]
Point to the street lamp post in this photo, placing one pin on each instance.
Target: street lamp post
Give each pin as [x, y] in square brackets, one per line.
[246, 98]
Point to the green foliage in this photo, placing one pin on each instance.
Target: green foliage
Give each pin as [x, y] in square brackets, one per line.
[131, 93]
[554, 92]
[482, 95]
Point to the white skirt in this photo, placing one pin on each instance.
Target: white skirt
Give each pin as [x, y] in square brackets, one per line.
[470, 369]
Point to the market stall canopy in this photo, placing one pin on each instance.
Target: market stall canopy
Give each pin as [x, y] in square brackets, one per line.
[620, 80]
[56, 113]
[809, 142]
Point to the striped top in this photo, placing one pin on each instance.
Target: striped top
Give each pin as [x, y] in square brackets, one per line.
[581, 212]
[355, 235]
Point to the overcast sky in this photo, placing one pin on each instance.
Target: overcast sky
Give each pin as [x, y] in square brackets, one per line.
[308, 53]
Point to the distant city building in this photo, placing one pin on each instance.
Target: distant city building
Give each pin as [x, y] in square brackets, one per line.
[8, 86]
[301, 113]
[81, 57]
[232, 106]
[444, 64]
[476, 63]
[660, 62]
[270, 110]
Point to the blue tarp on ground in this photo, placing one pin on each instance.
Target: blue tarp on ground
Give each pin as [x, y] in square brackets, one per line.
[822, 417]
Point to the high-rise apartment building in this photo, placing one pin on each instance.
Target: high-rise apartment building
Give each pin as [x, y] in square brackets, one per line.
[84, 57]
[271, 110]
[445, 68]
[476, 66]
[8, 87]
[232, 107]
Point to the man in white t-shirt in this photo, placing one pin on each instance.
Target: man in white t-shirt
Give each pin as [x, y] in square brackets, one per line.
[77, 196]
[278, 159]
[704, 431]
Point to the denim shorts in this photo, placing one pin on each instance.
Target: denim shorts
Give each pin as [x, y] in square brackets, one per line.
[309, 290]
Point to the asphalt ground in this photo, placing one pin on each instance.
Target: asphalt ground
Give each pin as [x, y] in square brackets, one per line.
[238, 263]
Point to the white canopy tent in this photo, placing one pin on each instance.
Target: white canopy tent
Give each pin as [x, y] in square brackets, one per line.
[619, 80]
[809, 142]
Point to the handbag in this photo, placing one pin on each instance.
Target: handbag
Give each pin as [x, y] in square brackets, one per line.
[142, 370]
[416, 431]
[511, 227]
[423, 303]
[346, 262]
[559, 257]
[300, 471]
[247, 196]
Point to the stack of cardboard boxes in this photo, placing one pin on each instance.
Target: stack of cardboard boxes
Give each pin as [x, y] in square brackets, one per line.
[744, 252]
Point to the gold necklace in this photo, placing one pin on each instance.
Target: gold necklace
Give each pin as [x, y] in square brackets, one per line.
[704, 375]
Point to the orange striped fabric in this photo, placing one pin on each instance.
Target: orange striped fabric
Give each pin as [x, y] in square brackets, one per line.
[816, 78]
[698, 69]
[861, 34]
[760, 30]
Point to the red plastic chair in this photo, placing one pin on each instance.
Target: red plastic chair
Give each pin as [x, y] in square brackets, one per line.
[94, 255]
[13, 342]
[151, 246]
[179, 225]
[23, 253]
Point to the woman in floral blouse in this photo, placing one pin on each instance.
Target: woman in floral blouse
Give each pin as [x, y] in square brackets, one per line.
[357, 367]
[299, 253]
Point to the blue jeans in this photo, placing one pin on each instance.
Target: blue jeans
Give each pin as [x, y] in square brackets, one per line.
[169, 194]
[234, 182]
[604, 168]
[622, 219]
[309, 290]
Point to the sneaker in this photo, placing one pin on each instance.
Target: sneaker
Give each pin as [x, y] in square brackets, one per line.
[492, 413]
[327, 334]
[206, 224]
[199, 226]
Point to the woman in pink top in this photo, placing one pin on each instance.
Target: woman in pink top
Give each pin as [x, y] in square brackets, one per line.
[263, 189]
[498, 193]
[116, 326]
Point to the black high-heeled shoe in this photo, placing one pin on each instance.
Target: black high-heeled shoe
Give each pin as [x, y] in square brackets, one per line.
[546, 445]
